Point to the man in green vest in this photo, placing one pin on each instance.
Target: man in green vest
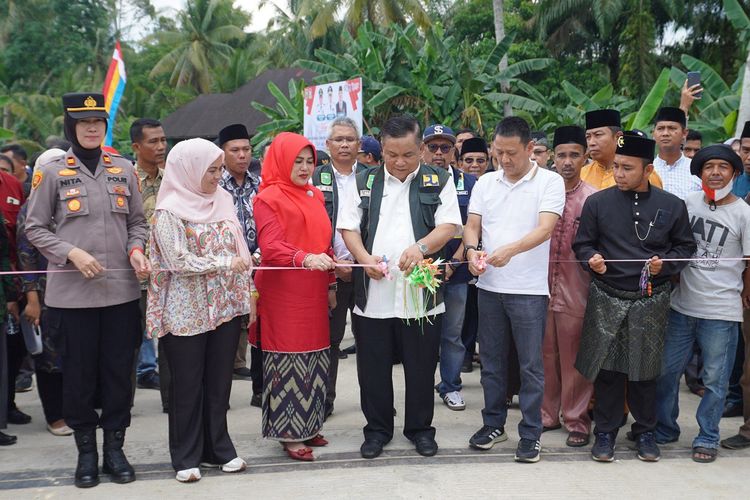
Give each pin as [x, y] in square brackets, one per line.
[333, 180]
[400, 215]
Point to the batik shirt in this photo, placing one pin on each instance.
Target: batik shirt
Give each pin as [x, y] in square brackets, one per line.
[243, 203]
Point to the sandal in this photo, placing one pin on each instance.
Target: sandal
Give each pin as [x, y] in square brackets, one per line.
[318, 440]
[302, 454]
[577, 439]
[709, 452]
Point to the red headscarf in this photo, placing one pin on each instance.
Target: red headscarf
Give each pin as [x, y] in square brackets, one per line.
[300, 209]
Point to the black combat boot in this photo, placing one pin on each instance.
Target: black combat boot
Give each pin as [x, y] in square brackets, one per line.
[87, 470]
[115, 462]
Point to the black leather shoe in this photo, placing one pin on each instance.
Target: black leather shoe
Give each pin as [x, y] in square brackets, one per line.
[87, 470]
[7, 440]
[371, 448]
[17, 417]
[256, 400]
[243, 373]
[115, 463]
[730, 410]
[426, 446]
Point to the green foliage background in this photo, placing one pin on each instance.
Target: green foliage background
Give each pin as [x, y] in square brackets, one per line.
[434, 58]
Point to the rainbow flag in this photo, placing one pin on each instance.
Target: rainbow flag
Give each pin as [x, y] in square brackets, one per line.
[114, 87]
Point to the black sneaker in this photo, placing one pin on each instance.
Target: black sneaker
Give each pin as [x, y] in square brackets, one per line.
[486, 437]
[648, 451]
[528, 451]
[604, 447]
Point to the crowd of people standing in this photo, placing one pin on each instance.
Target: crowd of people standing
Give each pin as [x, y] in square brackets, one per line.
[591, 273]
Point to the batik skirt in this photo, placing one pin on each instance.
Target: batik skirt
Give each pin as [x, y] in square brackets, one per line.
[294, 394]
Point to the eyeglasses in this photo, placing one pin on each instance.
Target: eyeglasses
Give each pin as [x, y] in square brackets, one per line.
[444, 148]
[471, 161]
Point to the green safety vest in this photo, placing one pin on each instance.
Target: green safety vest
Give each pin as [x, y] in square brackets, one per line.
[424, 199]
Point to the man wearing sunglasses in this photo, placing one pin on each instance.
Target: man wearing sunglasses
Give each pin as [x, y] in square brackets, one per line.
[438, 149]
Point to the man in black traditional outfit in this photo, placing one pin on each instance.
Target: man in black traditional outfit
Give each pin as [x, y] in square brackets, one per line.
[621, 228]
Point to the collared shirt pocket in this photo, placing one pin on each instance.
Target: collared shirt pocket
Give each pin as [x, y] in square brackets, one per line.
[74, 201]
[119, 198]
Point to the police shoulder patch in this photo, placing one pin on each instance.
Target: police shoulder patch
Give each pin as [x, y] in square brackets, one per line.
[36, 179]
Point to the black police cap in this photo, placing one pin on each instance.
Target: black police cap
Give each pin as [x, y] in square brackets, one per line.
[85, 105]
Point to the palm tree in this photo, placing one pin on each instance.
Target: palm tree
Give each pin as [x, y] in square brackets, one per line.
[378, 12]
[598, 29]
[499, 15]
[200, 44]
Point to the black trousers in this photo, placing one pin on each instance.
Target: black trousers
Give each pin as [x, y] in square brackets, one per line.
[50, 387]
[256, 360]
[201, 367]
[471, 323]
[337, 328]
[609, 400]
[98, 348]
[16, 354]
[160, 357]
[377, 341]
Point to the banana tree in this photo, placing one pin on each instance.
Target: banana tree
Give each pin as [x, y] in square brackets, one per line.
[741, 22]
[715, 115]
[286, 116]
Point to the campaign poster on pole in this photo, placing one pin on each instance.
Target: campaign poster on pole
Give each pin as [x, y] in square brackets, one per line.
[328, 101]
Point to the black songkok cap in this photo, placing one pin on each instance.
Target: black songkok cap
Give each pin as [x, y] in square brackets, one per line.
[671, 115]
[322, 158]
[746, 130]
[232, 132]
[569, 134]
[631, 144]
[602, 118]
[474, 145]
[80, 106]
[715, 152]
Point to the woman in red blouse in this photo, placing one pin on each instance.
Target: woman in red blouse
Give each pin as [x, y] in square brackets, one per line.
[294, 231]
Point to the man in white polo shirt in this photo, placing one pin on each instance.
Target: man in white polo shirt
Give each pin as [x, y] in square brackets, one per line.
[672, 166]
[514, 210]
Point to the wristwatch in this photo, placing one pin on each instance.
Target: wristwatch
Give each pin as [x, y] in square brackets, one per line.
[422, 247]
[467, 248]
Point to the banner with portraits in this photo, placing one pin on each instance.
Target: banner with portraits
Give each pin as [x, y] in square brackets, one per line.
[326, 102]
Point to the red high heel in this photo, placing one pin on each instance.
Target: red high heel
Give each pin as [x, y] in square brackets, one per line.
[302, 454]
[318, 440]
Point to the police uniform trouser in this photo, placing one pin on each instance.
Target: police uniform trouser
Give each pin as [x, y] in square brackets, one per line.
[98, 349]
[419, 342]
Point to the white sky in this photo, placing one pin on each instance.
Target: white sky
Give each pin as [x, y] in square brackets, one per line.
[260, 16]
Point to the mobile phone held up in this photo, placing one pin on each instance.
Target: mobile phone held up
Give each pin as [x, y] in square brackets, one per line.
[694, 78]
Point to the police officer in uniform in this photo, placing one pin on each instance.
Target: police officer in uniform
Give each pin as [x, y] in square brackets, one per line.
[333, 178]
[101, 232]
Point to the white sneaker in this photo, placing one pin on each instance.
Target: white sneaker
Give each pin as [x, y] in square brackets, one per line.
[454, 400]
[188, 475]
[234, 465]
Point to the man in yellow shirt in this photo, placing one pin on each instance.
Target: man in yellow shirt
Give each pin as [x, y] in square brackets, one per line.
[602, 132]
